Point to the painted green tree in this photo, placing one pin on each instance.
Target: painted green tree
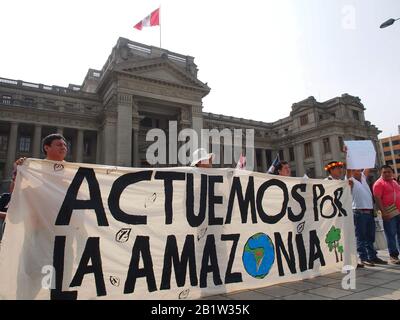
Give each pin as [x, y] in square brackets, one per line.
[340, 250]
[332, 240]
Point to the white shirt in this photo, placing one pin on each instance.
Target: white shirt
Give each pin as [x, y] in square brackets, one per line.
[362, 196]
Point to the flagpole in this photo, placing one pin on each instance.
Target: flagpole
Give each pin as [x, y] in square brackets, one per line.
[159, 17]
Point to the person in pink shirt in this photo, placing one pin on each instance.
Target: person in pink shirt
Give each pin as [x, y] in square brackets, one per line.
[387, 192]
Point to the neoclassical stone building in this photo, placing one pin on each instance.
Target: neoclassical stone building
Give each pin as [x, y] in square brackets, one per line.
[105, 120]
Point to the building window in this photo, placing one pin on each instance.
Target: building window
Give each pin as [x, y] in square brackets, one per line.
[327, 145]
[385, 144]
[397, 161]
[146, 122]
[50, 104]
[6, 99]
[396, 152]
[258, 158]
[28, 102]
[2, 165]
[395, 142]
[69, 147]
[341, 143]
[281, 155]
[387, 153]
[356, 115]
[87, 148]
[308, 152]
[304, 120]
[24, 144]
[291, 154]
[293, 173]
[389, 162]
[3, 143]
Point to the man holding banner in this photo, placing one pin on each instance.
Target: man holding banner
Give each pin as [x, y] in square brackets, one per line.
[37, 238]
[283, 169]
[335, 170]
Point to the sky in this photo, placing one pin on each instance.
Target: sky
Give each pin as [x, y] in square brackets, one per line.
[258, 56]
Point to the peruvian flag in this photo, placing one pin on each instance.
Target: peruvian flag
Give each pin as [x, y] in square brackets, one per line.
[153, 19]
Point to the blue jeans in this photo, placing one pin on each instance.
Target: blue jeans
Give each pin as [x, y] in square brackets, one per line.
[365, 234]
[392, 231]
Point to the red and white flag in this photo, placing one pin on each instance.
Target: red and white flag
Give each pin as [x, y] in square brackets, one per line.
[153, 19]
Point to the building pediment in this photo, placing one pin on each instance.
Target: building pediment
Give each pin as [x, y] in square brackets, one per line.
[161, 70]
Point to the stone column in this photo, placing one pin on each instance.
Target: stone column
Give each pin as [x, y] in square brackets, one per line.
[187, 115]
[79, 146]
[221, 155]
[135, 133]
[109, 142]
[197, 122]
[335, 148]
[286, 154]
[124, 130]
[263, 161]
[316, 145]
[254, 153]
[299, 155]
[98, 147]
[11, 149]
[135, 137]
[275, 153]
[37, 135]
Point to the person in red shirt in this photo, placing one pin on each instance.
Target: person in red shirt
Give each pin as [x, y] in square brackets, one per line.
[387, 193]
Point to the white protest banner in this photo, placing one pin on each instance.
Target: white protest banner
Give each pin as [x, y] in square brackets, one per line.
[78, 231]
[361, 154]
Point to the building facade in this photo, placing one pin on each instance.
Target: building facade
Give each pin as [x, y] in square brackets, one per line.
[105, 120]
[390, 152]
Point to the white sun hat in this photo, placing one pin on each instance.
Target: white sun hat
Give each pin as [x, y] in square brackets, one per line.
[200, 155]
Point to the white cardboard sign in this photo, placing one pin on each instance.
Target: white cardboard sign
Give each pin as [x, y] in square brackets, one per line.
[361, 154]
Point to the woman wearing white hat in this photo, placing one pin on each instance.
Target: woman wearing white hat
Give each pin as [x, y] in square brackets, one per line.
[202, 159]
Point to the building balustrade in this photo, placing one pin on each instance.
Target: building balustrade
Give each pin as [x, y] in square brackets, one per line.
[66, 108]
